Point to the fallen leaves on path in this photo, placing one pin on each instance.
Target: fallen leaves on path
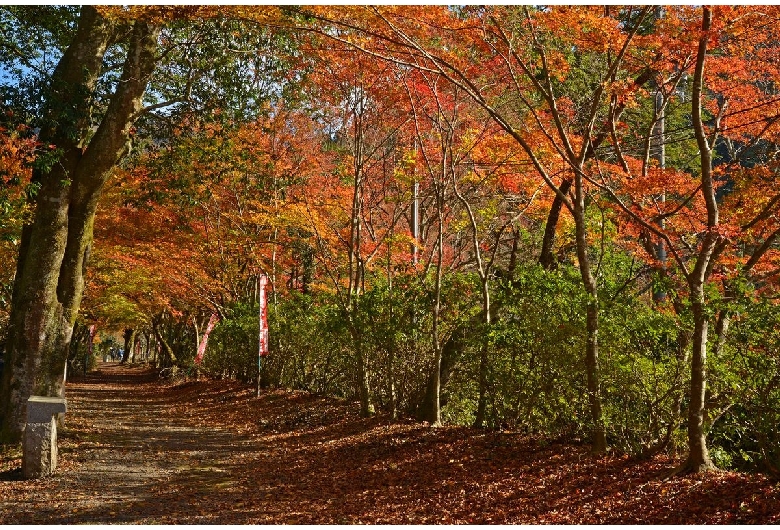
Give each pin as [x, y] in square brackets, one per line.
[135, 450]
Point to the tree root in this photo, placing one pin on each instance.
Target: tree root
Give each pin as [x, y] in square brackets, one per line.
[688, 468]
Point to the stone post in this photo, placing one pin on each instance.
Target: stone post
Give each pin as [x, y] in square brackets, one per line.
[39, 445]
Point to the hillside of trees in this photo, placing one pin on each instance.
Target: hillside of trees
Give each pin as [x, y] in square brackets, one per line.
[558, 221]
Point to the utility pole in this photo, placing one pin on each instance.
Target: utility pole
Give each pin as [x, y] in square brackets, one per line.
[659, 133]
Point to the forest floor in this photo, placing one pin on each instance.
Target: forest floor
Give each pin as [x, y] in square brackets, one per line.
[137, 450]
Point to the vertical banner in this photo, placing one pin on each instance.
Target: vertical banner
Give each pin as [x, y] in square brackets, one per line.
[263, 319]
[202, 346]
[89, 347]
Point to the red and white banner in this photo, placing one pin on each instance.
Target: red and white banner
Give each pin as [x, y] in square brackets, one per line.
[263, 349]
[91, 339]
[202, 346]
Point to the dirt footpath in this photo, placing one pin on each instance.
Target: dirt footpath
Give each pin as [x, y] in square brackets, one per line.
[124, 457]
[135, 450]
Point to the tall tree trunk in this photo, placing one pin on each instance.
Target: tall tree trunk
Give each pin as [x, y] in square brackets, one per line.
[355, 256]
[366, 407]
[55, 246]
[547, 256]
[698, 455]
[129, 337]
[391, 347]
[147, 345]
[451, 352]
[168, 356]
[483, 270]
[593, 375]
[479, 419]
[432, 412]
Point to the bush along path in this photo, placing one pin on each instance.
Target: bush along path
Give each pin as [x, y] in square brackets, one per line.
[135, 450]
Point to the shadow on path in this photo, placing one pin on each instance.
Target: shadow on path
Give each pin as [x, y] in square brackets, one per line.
[135, 450]
[126, 455]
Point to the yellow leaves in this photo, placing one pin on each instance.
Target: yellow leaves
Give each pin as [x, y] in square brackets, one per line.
[585, 26]
[752, 200]
[558, 65]
[625, 92]
[16, 155]
[157, 14]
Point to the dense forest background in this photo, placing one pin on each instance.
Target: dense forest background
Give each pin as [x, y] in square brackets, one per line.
[560, 221]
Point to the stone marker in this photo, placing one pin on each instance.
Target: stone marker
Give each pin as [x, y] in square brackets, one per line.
[39, 446]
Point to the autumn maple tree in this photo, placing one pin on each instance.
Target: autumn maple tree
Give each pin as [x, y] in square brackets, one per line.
[550, 219]
[574, 124]
[535, 114]
[16, 155]
[90, 106]
[697, 228]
